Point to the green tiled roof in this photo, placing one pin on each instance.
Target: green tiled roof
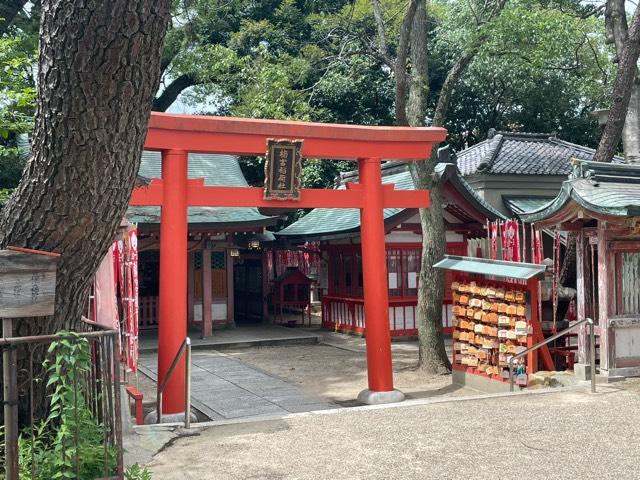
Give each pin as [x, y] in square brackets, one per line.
[332, 221]
[599, 188]
[495, 268]
[328, 221]
[217, 170]
[520, 205]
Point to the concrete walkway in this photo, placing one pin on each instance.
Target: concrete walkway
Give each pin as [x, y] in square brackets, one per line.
[566, 434]
[225, 388]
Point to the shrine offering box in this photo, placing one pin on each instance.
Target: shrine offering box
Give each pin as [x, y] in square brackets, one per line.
[495, 309]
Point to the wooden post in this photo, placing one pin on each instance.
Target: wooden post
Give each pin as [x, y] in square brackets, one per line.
[606, 296]
[230, 289]
[581, 298]
[27, 289]
[265, 288]
[190, 287]
[10, 391]
[207, 317]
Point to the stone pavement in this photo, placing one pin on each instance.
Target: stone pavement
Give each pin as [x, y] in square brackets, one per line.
[561, 435]
[223, 387]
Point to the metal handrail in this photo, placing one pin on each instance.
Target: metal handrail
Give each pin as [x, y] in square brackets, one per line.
[592, 350]
[184, 347]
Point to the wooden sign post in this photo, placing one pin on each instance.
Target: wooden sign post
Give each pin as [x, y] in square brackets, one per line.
[27, 289]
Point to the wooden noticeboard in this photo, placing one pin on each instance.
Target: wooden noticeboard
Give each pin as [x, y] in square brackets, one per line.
[283, 170]
[27, 283]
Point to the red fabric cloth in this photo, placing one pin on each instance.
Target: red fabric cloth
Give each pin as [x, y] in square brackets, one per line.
[106, 306]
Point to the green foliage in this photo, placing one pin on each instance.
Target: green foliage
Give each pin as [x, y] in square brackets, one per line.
[136, 472]
[69, 442]
[542, 68]
[17, 87]
[17, 91]
[78, 435]
[5, 193]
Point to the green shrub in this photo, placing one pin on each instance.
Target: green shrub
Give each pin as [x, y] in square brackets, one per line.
[136, 472]
[69, 442]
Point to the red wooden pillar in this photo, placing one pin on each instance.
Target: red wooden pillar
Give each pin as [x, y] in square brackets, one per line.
[172, 328]
[207, 314]
[190, 286]
[374, 269]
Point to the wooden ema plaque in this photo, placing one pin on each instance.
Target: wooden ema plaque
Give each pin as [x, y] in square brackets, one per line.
[27, 283]
[283, 170]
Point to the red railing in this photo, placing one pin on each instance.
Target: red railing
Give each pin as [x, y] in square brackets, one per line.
[345, 314]
[148, 312]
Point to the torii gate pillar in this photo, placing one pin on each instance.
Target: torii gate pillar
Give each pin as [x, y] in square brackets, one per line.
[172, 327]
[374, 273]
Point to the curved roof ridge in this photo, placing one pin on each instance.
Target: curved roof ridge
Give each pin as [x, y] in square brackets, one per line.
[582, 148]
[492, 153]
[527, 135]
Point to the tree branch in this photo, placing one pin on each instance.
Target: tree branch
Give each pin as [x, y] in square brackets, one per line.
[172, 91]
[459, 68]
[615, 20]
[382, 39]
[401, 64]
[419, 80]
[624, 83]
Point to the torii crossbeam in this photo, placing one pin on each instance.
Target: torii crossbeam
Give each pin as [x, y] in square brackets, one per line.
[177, 135]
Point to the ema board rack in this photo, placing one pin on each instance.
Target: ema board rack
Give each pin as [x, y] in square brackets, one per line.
[490, 326]
[497, 315]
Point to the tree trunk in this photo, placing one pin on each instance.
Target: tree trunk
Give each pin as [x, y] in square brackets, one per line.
[623, 87]
[99, 65]
[432, 353]
[631, 129]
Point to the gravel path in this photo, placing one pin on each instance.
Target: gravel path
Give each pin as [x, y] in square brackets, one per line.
[563, 435]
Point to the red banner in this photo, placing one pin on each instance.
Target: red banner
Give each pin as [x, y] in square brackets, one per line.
[132, 298]
[510, 236]
[494, 240]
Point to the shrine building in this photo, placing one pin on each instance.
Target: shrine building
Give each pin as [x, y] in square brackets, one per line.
[340, 277]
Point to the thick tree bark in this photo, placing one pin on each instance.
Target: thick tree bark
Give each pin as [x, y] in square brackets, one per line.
[622, 91]
[99, 65]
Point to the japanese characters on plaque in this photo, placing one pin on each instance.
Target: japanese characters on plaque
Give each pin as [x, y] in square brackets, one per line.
[283, 170]
[27, 283]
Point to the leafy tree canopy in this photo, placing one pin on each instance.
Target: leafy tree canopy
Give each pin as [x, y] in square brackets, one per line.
[543, 68]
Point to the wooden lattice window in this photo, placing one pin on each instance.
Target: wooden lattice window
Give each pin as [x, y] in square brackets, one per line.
[218, 274]
[218, 260]
[628, 283]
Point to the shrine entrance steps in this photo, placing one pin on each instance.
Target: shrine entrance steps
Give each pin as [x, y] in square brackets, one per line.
[239, 337]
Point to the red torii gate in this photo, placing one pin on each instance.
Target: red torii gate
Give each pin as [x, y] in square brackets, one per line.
[177, 135]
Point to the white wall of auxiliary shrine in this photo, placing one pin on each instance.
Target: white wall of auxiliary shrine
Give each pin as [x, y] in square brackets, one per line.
[407, 317]
[218, 310]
